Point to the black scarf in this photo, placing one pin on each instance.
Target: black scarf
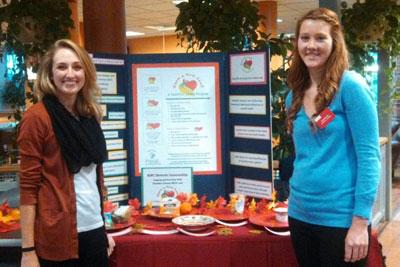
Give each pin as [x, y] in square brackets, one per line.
[81, 140]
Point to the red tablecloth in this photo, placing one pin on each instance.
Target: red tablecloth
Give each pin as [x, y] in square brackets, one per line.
[240, 249]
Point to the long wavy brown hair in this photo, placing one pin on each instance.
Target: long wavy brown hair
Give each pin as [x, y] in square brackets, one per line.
[299, 77]
[86, 104]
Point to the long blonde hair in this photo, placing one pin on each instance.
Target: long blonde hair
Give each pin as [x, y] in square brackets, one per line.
[86, 104]
[298, 75]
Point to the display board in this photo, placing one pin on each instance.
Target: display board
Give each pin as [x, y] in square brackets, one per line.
[209, 112]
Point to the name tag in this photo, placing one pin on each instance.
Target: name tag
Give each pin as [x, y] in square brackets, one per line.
[324, 118]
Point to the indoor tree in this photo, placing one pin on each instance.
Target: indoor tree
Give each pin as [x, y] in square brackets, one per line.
[232, 25]
[28, 29]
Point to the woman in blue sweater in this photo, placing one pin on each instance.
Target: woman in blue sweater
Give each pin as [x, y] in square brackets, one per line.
[333, 119]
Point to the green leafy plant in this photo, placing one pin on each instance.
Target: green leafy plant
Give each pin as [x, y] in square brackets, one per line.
[232, 25]
[373, 25]
[29, 28]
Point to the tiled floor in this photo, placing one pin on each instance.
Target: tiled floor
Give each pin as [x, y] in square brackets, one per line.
[390, 240]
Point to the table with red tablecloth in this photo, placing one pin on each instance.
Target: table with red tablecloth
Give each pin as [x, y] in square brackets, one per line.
[241, 248]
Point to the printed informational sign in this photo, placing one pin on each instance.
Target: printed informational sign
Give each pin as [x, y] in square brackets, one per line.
[247, 104]
[116, 115]
[114, 168]
[177, 116]
[114, 144]
[116, 180]
[249, 160]
[112, 99]
[112, 190]
[110, 134]
[107, 81]
[113, 125]
[252, 132]
[117, 154]
[248, 68]
[158, 183]
[253, 188]
[118, 197]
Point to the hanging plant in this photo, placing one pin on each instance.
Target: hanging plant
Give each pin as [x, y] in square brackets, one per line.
[232, 25]
[28, 29]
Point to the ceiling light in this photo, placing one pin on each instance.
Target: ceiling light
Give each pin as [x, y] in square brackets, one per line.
[161, 28]
[178, 2]
[279, 20]
[131, 33]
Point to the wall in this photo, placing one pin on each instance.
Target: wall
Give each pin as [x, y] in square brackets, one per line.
[154, 45]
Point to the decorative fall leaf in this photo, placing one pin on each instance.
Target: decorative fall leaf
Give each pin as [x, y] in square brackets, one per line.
[135, 203]
[253, 205]
[193, 199]
[203, 202]
[225, 231]
[273, 197]
[271, 205]
[220, 202]
[109, 206]
[182, 197]
[211, 204]
[256, 232]
[146, 209]
[261, 205]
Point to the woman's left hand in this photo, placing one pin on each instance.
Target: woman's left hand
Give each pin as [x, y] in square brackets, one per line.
[356, 242]
[111, 245]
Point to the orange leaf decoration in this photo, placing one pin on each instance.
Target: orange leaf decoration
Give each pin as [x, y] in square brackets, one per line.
[134, 203]
[220, 202]
[252, 206]
[182, 197]
[193, 199]
[211, 204]
[109, 206]
[203, 202]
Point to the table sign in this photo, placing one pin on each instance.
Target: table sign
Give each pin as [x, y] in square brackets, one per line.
[165, 182]
[113, 125]
[107, 81]
[253, 188]
[248, 104]
[248, 69]
[252, 132]
[251, 160]
[176, 116]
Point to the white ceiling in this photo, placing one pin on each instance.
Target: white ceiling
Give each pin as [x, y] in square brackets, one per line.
[141, 13]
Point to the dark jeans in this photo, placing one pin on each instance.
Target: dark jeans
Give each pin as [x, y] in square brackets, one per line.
[316, 245]
[92, 251]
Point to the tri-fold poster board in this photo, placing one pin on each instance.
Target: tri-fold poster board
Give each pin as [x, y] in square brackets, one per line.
[193, 123]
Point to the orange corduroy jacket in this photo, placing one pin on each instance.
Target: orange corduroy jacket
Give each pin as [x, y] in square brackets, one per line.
[46, 182]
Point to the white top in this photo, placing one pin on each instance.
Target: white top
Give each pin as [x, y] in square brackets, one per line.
[88, 206]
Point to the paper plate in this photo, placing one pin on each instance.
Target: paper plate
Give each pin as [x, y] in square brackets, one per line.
[193, 223]
[120, 226]
[225, 214]
[155, 213]
[268, 220]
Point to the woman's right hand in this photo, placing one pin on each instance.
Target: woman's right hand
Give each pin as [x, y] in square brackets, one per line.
[30, 259]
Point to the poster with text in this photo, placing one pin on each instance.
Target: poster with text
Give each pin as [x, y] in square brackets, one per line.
[177, 116]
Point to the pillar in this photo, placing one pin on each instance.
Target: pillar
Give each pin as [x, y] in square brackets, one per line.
[269, 9]
[104, 26]
[75, 35]
[332, 5]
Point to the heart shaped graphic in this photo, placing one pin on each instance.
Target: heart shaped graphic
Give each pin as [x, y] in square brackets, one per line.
[191, 84]
[249, 62]
[152, 79]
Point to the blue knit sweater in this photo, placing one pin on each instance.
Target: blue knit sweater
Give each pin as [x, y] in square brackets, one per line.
[337, 169]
